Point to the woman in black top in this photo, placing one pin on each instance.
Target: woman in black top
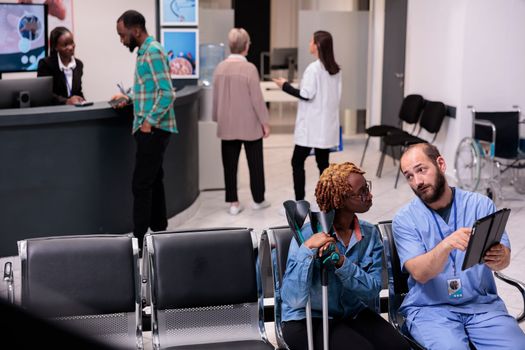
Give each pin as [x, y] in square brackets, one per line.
[63, 67]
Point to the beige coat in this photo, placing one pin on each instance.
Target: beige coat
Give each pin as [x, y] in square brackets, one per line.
[238, 105]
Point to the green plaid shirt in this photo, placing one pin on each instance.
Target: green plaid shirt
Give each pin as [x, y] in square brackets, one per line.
[153, 93]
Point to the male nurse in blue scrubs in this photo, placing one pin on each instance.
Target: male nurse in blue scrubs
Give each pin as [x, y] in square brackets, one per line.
[446, 308]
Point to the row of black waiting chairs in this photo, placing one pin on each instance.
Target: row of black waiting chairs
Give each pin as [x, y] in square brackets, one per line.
[204, 287]
[415, 111]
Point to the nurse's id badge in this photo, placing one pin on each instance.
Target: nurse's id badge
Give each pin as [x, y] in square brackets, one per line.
[454, 288]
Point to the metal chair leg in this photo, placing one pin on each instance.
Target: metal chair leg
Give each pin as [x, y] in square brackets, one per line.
[401, 150]
[381, 162]
[364, 151]
[397, 176]
[393, 156]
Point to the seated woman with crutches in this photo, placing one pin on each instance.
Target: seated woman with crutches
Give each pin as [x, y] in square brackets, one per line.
[353, 279]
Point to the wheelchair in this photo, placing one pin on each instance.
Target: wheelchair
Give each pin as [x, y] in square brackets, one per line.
[483, 162]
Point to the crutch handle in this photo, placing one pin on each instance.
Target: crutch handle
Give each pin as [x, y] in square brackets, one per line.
[333, 258]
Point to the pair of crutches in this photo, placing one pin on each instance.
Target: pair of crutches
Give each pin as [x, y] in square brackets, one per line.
[296, 213]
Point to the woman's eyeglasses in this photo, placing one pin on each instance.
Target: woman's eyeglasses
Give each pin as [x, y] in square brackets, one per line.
[364, 192]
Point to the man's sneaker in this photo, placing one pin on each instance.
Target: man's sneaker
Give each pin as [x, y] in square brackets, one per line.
[235, 209]
[262, 205]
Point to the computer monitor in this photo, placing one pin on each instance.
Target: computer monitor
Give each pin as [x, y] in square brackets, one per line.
[281, 57]
[24, 36]
[284, 58]
[29, 92]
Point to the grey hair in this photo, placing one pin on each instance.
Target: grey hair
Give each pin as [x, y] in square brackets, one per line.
[238, 40]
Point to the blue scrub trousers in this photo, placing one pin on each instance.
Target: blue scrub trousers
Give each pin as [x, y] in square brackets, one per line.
[439, 328]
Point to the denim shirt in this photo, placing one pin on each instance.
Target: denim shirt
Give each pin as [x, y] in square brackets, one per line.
[350, 287]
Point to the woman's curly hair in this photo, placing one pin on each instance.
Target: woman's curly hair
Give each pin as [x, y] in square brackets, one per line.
[333, 185]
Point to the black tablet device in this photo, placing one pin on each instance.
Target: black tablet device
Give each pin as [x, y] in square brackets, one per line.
[486, 232]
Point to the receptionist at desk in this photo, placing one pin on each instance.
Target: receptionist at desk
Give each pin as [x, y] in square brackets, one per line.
[65, 69]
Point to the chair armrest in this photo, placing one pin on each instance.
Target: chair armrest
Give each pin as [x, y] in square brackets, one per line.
[519, 285]
[413, 344]
[9, 280]
[488, 124]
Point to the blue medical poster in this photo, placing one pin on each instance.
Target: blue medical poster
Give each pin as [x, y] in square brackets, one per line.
[182, 48]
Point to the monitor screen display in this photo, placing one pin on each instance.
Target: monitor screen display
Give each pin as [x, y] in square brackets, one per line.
[281, 57]
[26, 92]
[23, 41]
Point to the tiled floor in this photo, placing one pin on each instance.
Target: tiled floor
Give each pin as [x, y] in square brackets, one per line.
[211, 211]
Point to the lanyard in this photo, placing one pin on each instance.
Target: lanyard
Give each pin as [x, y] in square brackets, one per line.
[453, 253]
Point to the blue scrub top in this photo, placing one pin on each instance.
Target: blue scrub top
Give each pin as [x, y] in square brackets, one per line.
[351, 288]
[416, 232]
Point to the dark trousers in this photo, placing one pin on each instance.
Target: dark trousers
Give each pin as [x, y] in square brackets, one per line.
[299, 157]
[149, 203]
[367, 331]
[231, 149]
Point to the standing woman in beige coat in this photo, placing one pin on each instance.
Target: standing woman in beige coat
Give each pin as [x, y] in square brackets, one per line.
[242, 118]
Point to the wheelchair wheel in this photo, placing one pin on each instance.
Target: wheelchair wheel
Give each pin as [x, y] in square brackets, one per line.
[467, 164]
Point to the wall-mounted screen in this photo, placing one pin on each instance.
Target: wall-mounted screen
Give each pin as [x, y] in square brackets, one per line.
[23, 40]
[182, 46]
[179, 12]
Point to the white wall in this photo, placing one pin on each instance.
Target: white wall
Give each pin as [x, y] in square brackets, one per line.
[376, 36]
[433, 63]
[106, 60]
[350, 33]
[283, 23]
[466, 52]
[494, 56]
[284, 17]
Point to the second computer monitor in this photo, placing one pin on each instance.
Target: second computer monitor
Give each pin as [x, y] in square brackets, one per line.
[28, 92]
[282, 57]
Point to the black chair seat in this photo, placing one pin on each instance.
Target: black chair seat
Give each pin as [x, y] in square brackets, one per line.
[240, 345]
[380, 130]
[402, 139]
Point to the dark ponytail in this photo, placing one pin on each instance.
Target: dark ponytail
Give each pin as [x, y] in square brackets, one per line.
[325, 47]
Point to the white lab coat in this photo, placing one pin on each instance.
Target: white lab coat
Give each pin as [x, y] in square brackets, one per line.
[317, 122]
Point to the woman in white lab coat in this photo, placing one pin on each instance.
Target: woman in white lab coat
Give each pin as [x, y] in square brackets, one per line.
[317, 122]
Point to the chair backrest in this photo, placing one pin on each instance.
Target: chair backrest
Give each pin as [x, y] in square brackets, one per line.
[89, 284]
[146, 297]
[279, 239]
[411, 108]
[397, 279]
[205, 287]
[507, 132]
[433, 116]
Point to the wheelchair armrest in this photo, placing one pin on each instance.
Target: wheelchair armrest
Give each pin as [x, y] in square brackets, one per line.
[489, 124]
[9, 280]
[519, 285]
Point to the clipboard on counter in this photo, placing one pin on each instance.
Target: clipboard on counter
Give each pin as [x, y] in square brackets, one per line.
[486, 232]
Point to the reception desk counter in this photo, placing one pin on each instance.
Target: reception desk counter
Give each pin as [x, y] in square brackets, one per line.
[67, 170]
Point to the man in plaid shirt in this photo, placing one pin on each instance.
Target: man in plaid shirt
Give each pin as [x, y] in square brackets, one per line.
[154, 122]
